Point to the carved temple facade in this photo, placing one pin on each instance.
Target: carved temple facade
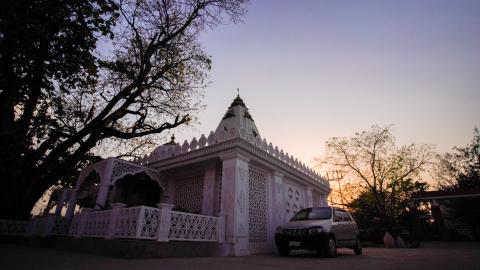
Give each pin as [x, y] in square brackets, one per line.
[235, 185]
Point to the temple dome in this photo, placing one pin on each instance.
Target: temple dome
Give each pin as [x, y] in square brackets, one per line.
[238, 117]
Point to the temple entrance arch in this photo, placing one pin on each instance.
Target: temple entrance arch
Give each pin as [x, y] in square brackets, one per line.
[137, 189]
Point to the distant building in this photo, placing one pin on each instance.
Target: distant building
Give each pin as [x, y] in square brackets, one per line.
[455, 213]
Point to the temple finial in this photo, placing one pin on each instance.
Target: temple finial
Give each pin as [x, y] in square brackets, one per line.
[238, 92]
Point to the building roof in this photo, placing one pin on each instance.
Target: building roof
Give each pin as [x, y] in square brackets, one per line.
[446, 194]
[236, 131]
[238, 117]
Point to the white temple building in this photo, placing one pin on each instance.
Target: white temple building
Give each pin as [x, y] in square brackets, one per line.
[231, 187]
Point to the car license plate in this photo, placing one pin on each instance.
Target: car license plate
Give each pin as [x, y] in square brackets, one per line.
[294, 244]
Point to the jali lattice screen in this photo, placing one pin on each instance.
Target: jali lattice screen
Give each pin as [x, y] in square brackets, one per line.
[257, 209]
[188, 194]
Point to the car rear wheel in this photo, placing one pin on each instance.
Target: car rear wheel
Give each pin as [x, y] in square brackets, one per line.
[358, 247]
[331, 249]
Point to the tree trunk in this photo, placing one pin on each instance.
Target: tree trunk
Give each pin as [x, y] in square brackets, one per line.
[16, 203]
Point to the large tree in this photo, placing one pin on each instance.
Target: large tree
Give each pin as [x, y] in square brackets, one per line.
[74, 74]
[385, 173]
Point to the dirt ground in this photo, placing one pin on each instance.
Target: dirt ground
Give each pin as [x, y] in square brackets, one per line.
[432, 255]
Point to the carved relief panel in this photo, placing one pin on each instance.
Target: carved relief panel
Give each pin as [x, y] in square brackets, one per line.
[294, 199]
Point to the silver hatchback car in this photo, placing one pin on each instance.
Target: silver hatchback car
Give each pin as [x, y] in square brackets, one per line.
[322, 229]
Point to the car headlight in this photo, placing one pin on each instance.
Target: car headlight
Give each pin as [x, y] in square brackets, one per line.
[279, 230]
[315, 230]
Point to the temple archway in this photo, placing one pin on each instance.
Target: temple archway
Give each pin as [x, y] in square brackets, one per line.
[137, 189]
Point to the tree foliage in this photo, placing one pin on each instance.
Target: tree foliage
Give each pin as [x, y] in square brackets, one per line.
[75, 74]
[397, 204]
[387, 174]
[462, 167]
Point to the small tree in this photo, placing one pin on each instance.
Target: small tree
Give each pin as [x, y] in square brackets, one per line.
[385, 172]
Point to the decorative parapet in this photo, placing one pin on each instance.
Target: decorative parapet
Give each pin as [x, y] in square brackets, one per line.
[171, 150]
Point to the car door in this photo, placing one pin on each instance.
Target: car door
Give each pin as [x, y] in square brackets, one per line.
[338, 226]
[350, 232]
[354, 227]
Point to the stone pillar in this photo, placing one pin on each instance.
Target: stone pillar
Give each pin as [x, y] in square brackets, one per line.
[309, 197]
[72, 203]
[208, 199]
[61, 202]
[110, 233]
[235, 202]
[170, 192]
[105, 179]
[323, 199]
[277, 206]
[279, 199]
[102, 196]
[164, 224]
[221, 228]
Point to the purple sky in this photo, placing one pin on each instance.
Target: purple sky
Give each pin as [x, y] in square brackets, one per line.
[311, 70]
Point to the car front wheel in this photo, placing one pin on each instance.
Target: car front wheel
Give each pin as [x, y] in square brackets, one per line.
[331, 249]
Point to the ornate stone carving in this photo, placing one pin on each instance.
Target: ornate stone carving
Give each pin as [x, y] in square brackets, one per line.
[189, 193]
[202, 141]
[193, 144]
[294, 200]
[257, 214]
[211, 140]
[191, 227]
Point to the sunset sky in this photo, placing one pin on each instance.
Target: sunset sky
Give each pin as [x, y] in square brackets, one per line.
[311, 70]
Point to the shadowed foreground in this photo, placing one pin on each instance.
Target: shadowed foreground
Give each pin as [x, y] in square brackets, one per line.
[444, 255]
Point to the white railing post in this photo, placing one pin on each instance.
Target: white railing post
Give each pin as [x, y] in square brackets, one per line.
[140, 220]
[50, 224]
[221, 228]
[112, 224]
[83, 221]
[32, 224]
[164, 224]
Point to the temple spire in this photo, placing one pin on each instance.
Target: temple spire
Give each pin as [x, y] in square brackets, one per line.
[238, 117]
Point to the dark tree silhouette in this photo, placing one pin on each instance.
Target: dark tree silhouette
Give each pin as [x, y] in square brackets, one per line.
[74, 74]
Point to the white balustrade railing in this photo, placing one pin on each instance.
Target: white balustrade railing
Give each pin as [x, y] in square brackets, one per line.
[150, 222]
[167, 151]
[60, 226]
[140, 222]
[96, 223]
[137, 222]
[192, 227]
[12, 227]
[126, 222]
[74, 225]
[40, 225]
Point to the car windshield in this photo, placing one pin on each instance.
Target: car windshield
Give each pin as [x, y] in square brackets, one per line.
[313, 214]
